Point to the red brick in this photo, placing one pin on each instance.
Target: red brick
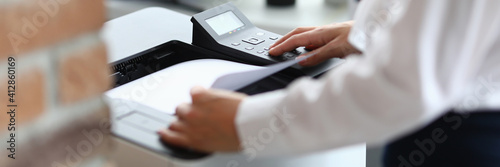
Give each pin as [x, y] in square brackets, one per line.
[29, 97]
[73, 18]
[87, 136]
[84, 74]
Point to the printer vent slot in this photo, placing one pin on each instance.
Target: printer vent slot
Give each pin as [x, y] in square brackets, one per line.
[127, 63]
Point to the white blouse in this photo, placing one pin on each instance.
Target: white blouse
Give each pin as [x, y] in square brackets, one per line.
[420, 59]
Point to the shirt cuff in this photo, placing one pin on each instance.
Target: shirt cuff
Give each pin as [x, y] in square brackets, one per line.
[259, 122]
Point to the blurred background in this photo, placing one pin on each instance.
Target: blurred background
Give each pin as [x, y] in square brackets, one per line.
[276, 18]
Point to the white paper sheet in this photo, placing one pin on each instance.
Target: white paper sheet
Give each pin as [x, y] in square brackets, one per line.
[167, 88]
[237, 80]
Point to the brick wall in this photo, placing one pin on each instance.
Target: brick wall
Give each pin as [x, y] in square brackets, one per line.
[60, 73]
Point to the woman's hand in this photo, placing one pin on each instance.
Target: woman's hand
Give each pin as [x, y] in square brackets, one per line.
[208, 123]
[327, 41]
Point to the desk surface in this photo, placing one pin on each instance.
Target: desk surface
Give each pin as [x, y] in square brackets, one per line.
[144, 29]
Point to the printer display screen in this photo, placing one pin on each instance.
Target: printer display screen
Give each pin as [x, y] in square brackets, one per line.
[225, 22]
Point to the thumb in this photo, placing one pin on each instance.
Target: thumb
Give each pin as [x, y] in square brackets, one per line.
[199, 94]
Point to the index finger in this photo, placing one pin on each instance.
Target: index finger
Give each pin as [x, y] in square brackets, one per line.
[304, 39]
[291, 33]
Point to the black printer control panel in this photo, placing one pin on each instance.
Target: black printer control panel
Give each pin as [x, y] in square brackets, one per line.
[225, 29]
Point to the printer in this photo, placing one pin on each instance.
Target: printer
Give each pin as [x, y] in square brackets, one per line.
[222, 33]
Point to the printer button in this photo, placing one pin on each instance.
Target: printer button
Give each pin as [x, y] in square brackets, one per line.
[296, 52]
[249, 48]
[273, 38]
[253, 41]
[260, 51]
[236, 44]
[260, 34]
[266, 49]
[277, 58]
[289, 55]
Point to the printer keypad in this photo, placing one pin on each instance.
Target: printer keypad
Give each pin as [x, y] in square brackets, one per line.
[255, 41]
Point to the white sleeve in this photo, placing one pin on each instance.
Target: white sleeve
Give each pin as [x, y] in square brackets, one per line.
[413, 71]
